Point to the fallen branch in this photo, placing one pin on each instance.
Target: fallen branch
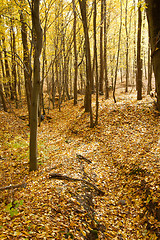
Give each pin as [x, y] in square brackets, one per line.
[21, 185]
[64, 177]
[83, 158]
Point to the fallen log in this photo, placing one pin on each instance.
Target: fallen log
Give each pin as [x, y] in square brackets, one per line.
[64, 177]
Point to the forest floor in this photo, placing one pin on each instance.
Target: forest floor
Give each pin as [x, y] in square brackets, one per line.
[124, 154]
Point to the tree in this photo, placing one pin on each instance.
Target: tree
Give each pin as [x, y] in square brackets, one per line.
[95, 57]
[149, 86]
[105, 53]
[88, 105]
[75, 52]
[26, 60]
[2, 97]
[139, 60]
[127, 45]
[117, 60]
[37, 40]
[101, 52]
[153, 16]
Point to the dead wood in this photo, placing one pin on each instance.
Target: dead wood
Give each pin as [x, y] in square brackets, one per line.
[64, 177]
[83, 158]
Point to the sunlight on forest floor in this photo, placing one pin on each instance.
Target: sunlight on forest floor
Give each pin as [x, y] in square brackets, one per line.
[124, 149]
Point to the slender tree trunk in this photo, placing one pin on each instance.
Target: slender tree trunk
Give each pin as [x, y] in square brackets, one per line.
[101, 52]
[14, 69]
[127, 45]
[26, 61]
[75, 52]
[37, 35]
[95, 58]
[53, 86]
[3, 74]
[7, 68]
[105, 53]
[134, 42]
[149, 86]
[88, 105]
[139, 60]
[41, 101]
[119, 42]
[2, 96]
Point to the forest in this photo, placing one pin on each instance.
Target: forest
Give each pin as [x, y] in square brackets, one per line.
[80, 119]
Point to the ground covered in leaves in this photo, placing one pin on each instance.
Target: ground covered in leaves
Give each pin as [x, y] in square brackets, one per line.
[124, 154]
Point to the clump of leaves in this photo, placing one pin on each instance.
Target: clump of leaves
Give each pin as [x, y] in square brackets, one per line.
[12, 207]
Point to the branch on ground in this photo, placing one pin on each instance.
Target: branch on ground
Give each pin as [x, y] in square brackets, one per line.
[64, 177]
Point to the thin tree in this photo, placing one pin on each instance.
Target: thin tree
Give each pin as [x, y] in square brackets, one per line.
[88, 105]
[106, 25]
[149, 85]
[95, 57]
[75, 52]
[117, 60]
[37, 39]
[2, 96]
[139, 60]
[26, 60]
[127, 44]
[101, 52]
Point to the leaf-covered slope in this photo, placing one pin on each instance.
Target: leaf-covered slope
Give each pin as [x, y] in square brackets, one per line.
[124, 149]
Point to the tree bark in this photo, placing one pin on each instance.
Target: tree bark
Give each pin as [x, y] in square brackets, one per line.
[127, 45]
[26, 61]
[75, 52]
[14, 69]
[149, 86]
[153, 15]
[7, 68]
[119, 43]
[3, 97]
[105, 53]
[37, 35]
[101, 52]
[139, 60]
[95, 59]
[88, 105]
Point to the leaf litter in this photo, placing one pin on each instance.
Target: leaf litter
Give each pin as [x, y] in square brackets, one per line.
[124, 154]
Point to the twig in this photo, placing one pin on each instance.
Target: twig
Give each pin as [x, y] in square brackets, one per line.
[64, 177]
[83, 158]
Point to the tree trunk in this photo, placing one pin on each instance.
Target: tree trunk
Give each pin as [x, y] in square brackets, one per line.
[95, 59]
[127, 45]
[139, 60]
[101, 52]
[105, 53]
[8, 75]
[75, 53]
[88, 105]
[134, 42]
[37, 35]
[2, 97]
[26, 61]
[149, 86]
[53, 86]
[119, 43]
[153, 15]
[14, 69]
